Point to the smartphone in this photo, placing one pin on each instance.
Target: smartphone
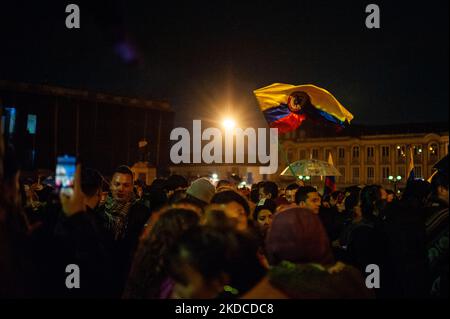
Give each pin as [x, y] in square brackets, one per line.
[65, 174]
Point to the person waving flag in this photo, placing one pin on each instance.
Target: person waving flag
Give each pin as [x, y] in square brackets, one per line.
[286, 106]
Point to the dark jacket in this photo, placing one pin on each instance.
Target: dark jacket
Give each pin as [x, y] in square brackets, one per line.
[123, 249]
[82, 242]
[437, 234]
[404, 230]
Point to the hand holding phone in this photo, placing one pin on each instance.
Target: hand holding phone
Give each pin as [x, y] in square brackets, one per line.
[75, 202]
[65, 174]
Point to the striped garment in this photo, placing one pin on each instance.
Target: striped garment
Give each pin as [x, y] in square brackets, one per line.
[116, 214]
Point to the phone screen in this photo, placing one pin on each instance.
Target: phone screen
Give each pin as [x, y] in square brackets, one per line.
[65, 173]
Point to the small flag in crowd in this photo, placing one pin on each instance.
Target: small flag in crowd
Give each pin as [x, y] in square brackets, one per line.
[431, 177]
[410, 174]
[330, 182]
[286, 106]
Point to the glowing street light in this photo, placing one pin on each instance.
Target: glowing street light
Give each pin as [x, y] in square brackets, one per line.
[394, 180]
[229, 124]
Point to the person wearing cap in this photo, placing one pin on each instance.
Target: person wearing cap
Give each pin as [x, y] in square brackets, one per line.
[201, 192]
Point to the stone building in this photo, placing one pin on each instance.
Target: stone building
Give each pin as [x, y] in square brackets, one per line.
[370, 154]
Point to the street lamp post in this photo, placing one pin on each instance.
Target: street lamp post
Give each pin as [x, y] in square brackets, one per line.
[304, 178]
[395, 181]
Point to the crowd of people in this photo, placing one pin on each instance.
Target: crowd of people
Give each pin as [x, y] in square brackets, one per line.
[180, 239]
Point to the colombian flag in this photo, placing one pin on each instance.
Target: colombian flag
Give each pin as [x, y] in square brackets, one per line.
[286, 106]
[410, 174]
[330, 181]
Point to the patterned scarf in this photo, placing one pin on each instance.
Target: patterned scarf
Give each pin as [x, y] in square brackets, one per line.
[117, 215]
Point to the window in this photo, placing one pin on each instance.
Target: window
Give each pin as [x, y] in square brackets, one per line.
[385, 151]
[418, 171]
[433, 150]
[355, 173]
[355, 152]
[341, 153]
[10, 113]
[401, 152]
[370, 172]
[315, 153]
[385, 172]
[31, 123]
[401, 171]
[302, 154]
[417, 150]
[341, 178]
[370, 152]
[290, 156]
[249, 177]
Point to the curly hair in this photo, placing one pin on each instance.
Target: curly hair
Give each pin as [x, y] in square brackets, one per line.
[149, 266]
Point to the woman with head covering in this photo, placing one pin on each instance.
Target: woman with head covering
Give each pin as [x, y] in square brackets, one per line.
[298, 236]
[302, 262]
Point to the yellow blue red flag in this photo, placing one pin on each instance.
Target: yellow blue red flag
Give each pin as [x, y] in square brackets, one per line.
[410, 173]
[286, 106]
[330, 181]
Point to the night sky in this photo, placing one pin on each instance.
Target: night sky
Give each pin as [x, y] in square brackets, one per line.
[206, 58]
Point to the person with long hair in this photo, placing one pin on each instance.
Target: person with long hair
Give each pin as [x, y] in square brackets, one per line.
[149, 278]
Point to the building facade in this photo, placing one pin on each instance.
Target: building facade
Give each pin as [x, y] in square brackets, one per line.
[43, 122]
[245, 173]
[369, 155]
